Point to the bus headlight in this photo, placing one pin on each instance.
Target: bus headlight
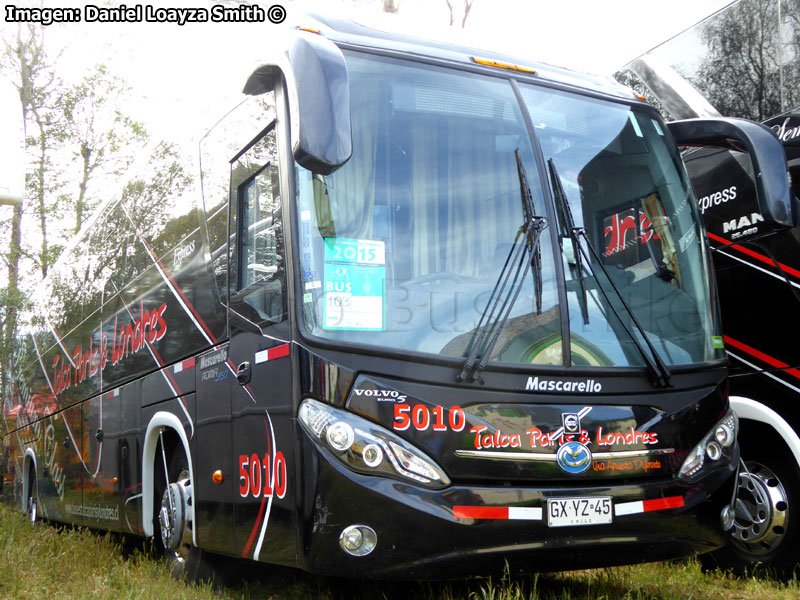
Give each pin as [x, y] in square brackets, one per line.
[718, 444]
[366, 447]
[340, 436]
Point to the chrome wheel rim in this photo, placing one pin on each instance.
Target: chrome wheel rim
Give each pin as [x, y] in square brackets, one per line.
[175, 517]
[32, 510]
[762, 510]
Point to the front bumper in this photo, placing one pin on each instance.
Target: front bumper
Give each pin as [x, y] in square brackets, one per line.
[465, 531]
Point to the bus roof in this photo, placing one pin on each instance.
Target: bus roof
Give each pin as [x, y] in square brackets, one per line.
[368, 36]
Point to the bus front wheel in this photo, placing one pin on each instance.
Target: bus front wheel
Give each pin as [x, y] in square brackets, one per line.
[173, 514]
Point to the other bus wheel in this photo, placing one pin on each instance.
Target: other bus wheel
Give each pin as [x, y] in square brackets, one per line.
[766, 530]
[32, 508]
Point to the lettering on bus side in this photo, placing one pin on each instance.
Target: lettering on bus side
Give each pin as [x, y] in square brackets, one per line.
[717, 198]
[742, 226]
[381, 395]
[213, 359]
[262, 477]
[182, 253]
[787, 130]
[586, 386]
[125, 338]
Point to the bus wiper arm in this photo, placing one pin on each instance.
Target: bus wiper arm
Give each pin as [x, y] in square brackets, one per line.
[659, 371]
[566, 228]
[524, 254]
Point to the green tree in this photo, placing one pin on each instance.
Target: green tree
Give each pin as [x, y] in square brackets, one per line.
[75, 135]
[741, 72]
[25, 61]
[98, 134]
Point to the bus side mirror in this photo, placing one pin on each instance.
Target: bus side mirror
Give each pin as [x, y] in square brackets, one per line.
[12, 152]
[318, 91]
[733, 211]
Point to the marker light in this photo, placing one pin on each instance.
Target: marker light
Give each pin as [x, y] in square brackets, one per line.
[501, 65]
[366, 447]
[413, 463]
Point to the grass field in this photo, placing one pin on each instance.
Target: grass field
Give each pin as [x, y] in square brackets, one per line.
[43, 562]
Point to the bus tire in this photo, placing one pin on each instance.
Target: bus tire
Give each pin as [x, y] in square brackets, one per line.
[31, 502]
[766, 533]
[172, 520]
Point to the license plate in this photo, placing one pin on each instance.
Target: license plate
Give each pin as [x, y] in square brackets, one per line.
[568, 512]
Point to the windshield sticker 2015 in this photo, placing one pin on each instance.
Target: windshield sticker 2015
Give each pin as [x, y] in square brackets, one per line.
[354, 284]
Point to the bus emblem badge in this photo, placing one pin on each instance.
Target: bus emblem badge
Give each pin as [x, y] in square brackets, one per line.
[571, 422]
[573, 458]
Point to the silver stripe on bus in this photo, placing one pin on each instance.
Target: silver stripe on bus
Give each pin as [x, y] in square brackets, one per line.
[257, 551]
[551, 457]
[763, 372]
[783, 278]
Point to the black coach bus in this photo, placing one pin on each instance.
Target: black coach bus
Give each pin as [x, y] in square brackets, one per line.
[756, 258]
[410, 288]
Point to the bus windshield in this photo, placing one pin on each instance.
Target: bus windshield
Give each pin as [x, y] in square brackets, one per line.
[402, 247]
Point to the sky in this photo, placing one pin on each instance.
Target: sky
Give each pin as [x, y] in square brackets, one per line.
[596, 36]
[176, 70]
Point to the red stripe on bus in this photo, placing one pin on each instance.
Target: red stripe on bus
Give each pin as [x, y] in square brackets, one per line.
[662, 503]
[278, 352]
[761, 356]
[255, 529]
[480, 512]
[760, 257]
[188, 363]
[263, 499]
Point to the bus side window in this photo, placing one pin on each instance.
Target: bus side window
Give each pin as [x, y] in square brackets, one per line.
[218, 146]
[261, 273]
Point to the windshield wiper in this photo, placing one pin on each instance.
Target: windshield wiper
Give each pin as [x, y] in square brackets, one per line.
[566, 228]
[659, 372]
[524, 254]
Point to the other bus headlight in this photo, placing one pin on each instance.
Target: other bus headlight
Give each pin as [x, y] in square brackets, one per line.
[366, 447]
[716, 445]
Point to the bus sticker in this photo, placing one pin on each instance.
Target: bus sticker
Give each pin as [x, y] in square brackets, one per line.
[354, 284]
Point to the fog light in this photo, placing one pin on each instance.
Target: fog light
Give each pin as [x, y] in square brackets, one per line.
[713, 451]
[372, 455]
[340, 436]
[358, 540]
